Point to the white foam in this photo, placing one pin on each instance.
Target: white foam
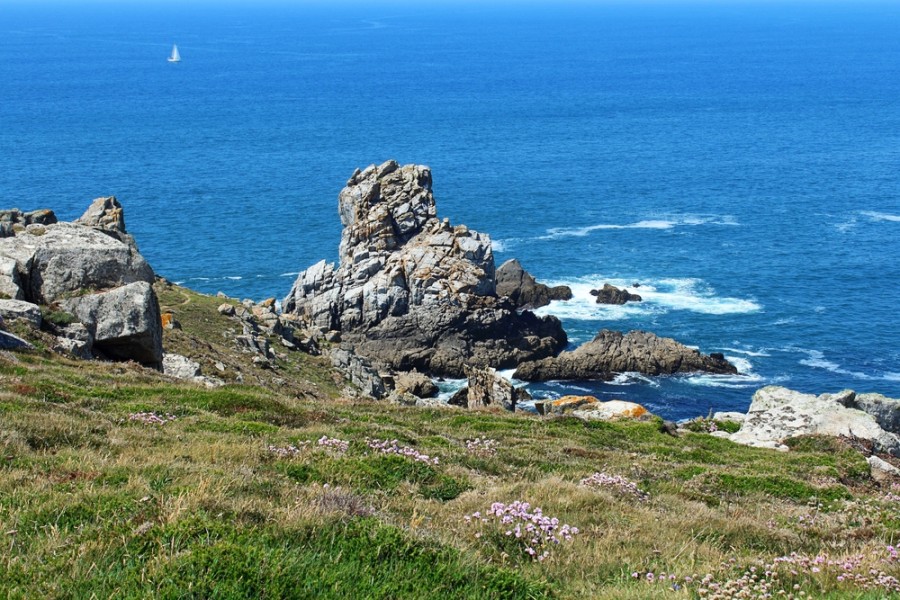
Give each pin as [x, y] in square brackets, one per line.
[498, 245]
[659, 295]
[666, 222]
[880, 216]
[290, 274]
[747, 352]
[448, 387]
[741, 364]
[631, 378]
[891, 376]
[725, 381]
[235, 278]
[817, 360]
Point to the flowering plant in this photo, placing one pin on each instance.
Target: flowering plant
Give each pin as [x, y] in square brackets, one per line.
[520, 529]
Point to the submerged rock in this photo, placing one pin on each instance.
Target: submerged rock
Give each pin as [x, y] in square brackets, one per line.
[612, 352]
[514, 282]
[411, 291]
[610, 294]
[777, 413]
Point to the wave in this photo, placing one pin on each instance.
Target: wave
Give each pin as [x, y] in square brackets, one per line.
[289, 274]
[749, 380]
[498, 245]
[658, 296]
[664, 223]
[632, 378]
[747, 352]
[816, 359]
[880, 216]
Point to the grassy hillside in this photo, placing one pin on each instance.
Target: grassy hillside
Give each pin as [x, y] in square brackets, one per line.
[116, 482]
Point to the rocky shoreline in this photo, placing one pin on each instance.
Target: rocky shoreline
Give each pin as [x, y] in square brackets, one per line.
[412, 298]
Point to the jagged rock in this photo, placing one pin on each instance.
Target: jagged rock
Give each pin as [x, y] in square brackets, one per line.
[19, 309]
[610, 294]
[410, 290]
[10, 282]
[487, 388]
[735, 417]
[359, 372]
[886, 411]
[777, 414]
[107, 215]
[226, 309]
[124, 322]
[612, 352]
[14, 220]
[514, 282]
[460, 398]
[415, 383]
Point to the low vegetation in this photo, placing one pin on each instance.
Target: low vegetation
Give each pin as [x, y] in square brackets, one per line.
[116, 482]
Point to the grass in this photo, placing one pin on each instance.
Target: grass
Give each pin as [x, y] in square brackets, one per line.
[93, 503]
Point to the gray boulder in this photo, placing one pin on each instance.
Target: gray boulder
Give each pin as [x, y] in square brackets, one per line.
[777, 414]
[610, 294]
[612, 352]
[360, 372]
[514, 282]
[124, 322]
[415, 383]
[19, 309]
[14, 220]
[412, 291]
[885, 411]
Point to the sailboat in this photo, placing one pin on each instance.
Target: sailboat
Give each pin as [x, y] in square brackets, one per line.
[175, 56]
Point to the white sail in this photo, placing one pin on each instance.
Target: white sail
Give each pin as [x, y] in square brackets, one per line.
[176, 57]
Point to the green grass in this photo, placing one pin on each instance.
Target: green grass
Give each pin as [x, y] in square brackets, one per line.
[95, 504]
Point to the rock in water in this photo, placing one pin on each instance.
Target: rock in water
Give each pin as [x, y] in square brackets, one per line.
[777, 414]
[610, 294]
[411, 291]
[612, 352]
[514, 282]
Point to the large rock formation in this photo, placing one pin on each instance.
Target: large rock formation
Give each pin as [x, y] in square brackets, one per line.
[487, 388]
[412, 291]
[777, 414]
[612, 352]
[90, 268]
[590, 408]
[514, 282]
[610, 294]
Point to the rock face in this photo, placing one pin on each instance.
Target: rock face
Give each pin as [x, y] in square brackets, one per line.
[90, 268]
[610, 294]
[777, 413]
[415, 383]
[612, 352]
[412, 291]
[514, 282]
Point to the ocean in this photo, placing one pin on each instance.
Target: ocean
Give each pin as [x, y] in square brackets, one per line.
[740, 161]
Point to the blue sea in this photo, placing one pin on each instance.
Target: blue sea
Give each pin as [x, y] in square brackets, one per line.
[740, 161]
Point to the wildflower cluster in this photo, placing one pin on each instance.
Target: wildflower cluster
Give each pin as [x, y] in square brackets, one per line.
[482, 446]
[702, 425]
[151, 418]
[778, 578]
[392, 447]
[287, 451]
[531, 531]
[615, 482]
[333, 443]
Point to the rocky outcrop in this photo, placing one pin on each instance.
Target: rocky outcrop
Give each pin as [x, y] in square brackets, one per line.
[590, 408]
[360, 372]
[412, 291]
[612, 352]
[19, 309]
[777, 414]
[181, 367]
[487, 388]
[610, 294]
[523, 290]
[90, 268]
[885, 411]
[415, 383]
[15, 221]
